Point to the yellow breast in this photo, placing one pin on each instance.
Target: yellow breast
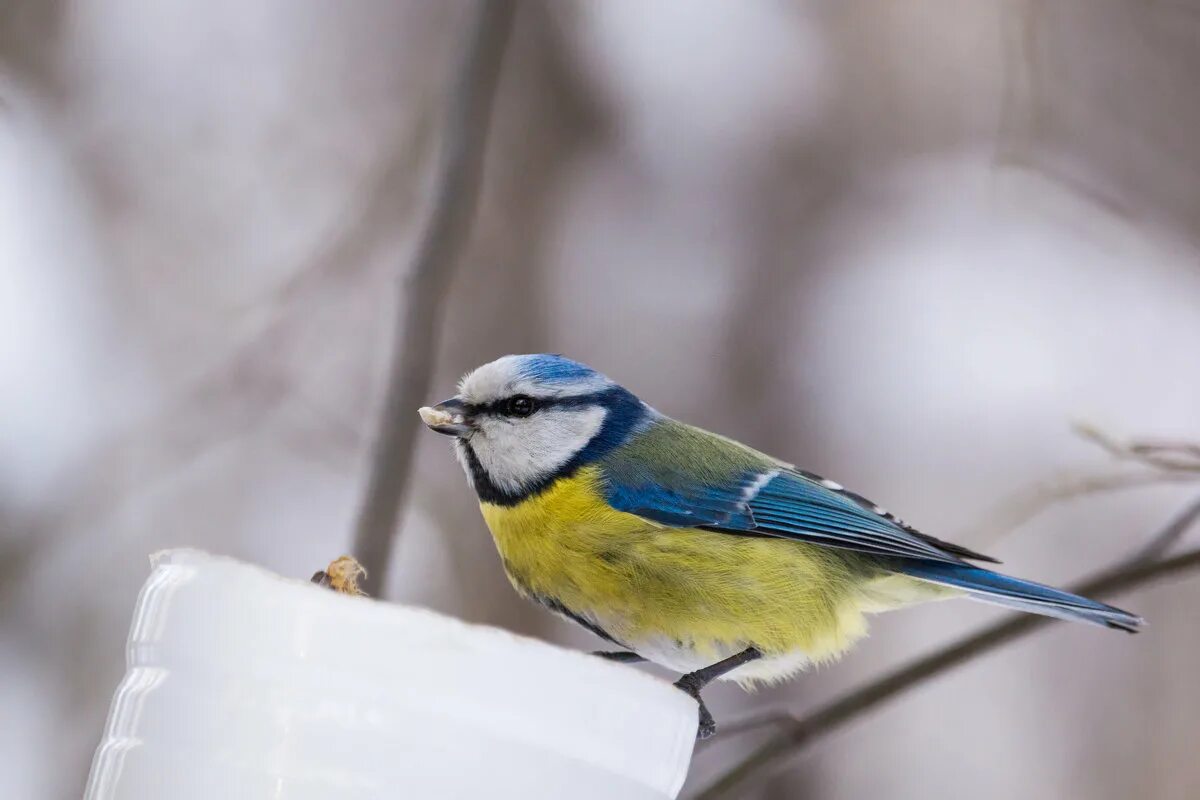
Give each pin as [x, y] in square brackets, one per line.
[704, 590]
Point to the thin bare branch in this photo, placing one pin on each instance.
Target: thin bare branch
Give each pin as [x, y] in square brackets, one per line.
[1161, 542]
[1159, 463]
[1163, 455]
[1019, 509]
[798, 733]
[414, 344]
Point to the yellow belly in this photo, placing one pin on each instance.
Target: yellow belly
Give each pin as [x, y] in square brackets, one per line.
[698, 592]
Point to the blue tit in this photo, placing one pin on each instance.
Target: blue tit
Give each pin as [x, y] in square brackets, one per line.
[687, 548]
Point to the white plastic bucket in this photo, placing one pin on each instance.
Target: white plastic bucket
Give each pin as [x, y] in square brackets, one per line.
[242, 684]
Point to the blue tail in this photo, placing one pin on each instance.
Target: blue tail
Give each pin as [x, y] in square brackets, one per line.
[1004, 590]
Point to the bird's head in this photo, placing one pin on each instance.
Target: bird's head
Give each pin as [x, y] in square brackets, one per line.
[521, 422]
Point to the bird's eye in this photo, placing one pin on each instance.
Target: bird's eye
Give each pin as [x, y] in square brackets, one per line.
[520, 406]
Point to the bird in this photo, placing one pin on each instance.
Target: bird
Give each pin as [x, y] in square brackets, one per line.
[686, 548]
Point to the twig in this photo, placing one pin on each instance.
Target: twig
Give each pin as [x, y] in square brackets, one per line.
[1029, 503]
[798, 733]
[1163, 462]
[1174, 456]
[1161, 542]
[416, 332]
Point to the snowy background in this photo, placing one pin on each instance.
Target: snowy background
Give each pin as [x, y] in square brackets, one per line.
[903, 243]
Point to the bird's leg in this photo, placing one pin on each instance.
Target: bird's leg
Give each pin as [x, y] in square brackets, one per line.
[620, 656]
[693, 682]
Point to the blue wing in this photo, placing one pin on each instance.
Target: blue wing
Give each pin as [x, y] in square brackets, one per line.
[805, 506]
[681, 476]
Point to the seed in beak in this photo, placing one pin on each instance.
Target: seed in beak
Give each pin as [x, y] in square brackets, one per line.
[446, 422]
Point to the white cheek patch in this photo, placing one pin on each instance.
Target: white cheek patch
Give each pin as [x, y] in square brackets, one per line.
[516, 453]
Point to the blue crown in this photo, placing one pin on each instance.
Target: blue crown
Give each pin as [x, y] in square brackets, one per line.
[553, 368]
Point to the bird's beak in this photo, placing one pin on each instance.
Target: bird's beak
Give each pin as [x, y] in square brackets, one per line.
[451, 418]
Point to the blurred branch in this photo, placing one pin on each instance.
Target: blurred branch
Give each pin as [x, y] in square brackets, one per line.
[1137, 570]
[1165, 539]
[1164, 463]
[414, 344]
[218, 416]
[1170, 456]
[31, 34]
[1019, 509]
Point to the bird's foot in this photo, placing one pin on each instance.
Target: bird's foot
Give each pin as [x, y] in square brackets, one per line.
[620, 656]
[693, 682]
[707, 725]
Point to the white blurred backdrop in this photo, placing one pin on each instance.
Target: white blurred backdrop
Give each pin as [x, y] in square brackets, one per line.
[903, 243]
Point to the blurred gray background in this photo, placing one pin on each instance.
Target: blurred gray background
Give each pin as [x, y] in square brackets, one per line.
[900, 242]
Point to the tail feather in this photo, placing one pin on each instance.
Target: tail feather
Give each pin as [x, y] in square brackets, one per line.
[1005, 590]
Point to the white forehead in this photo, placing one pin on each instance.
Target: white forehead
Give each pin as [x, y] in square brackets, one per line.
[511, 375]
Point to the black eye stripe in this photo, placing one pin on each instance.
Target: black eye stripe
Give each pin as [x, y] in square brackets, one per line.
[499, 406]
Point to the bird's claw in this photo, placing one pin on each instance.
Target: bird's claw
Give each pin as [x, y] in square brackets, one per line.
[707, 726]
